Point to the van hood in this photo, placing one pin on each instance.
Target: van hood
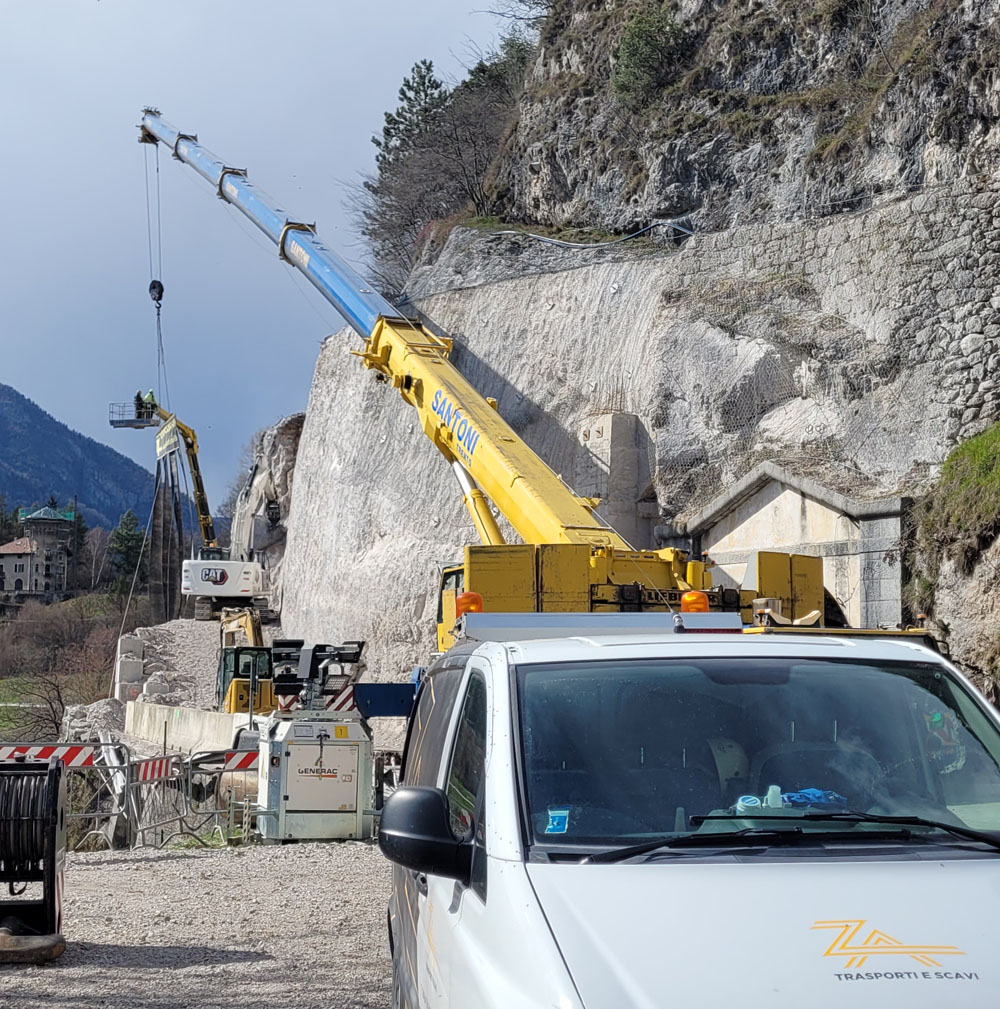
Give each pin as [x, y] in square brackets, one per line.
[826, 934]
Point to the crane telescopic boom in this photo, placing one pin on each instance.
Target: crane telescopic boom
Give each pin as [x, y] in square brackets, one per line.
[482, 448]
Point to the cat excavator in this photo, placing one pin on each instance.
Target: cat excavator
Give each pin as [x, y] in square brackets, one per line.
[569, 559]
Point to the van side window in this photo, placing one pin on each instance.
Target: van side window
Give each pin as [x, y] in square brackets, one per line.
[429, 726]
[466, 776]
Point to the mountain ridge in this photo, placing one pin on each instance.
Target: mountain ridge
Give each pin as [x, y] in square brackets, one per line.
[41, 456]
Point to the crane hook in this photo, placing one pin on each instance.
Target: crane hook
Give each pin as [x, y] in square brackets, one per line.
[156, 292]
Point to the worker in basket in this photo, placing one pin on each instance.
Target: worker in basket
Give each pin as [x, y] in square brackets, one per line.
[139, 405]
[149, 404]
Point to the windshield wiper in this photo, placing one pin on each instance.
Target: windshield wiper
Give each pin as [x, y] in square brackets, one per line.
[855, 816]
[720, 838]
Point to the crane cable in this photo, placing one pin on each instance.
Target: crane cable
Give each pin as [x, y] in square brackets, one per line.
[155, 272]
[138, 565]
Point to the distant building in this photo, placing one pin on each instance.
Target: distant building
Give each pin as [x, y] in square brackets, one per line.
[38, 562]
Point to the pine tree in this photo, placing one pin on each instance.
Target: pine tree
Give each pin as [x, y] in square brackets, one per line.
[421, 98]
[79, 562]
[125, 549]
[9, 526]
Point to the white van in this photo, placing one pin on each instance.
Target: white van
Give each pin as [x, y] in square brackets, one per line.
[650, 819]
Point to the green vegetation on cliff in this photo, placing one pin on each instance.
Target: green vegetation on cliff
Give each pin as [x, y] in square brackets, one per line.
[961, 516]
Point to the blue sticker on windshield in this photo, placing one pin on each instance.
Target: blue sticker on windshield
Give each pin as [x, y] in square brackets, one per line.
[558, 820]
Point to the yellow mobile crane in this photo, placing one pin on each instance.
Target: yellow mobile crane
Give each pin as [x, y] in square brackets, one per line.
[570, 559]
[212, 578]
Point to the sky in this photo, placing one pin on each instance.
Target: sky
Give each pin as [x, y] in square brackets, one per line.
[292, 90]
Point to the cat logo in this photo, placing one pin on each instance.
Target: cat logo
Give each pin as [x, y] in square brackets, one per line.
[214, 576]
[857, 943]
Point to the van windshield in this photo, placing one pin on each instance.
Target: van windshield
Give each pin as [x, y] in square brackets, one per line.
[612, 752]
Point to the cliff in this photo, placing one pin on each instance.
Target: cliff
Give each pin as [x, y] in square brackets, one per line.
[724, 111]
[835, 308]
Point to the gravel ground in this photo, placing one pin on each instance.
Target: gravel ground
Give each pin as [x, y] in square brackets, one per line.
[296, 926]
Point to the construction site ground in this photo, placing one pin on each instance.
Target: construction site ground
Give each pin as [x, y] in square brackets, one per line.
[298, 926]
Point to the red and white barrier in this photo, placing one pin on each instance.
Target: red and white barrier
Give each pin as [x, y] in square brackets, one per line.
[344, 701]
[71, 756]
[241, 760]
[156, 769]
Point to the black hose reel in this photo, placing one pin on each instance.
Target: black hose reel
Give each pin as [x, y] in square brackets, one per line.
[32, 851]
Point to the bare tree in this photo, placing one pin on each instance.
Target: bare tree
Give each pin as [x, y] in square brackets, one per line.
[43, 702]
[97, 549]
[530, 12]
[440, 167]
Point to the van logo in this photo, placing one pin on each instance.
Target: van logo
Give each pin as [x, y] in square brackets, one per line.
[214, 576]
[857, 942]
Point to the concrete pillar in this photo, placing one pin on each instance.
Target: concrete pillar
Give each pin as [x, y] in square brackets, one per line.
[880, 583]
[613, 465]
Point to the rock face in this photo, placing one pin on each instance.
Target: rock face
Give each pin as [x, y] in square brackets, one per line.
[275, 461]
[863, 345]
[750, 111]
[967, 614]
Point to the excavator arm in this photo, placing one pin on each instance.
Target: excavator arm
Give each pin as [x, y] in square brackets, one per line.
[236, 619]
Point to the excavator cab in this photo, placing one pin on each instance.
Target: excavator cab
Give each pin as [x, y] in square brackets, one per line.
[241, 669]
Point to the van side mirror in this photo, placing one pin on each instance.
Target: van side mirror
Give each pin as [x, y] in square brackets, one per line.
[415, 832]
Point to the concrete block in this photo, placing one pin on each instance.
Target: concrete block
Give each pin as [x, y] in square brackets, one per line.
[187, 729]
[126, 692]
[130, 645]
[129, 669]
[155, 687]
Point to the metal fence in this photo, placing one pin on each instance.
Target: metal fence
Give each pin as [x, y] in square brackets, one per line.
[119, 800]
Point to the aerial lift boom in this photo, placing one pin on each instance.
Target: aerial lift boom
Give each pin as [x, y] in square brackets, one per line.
[214, 578]
[168, 439]
[571, 559]
[166, 442]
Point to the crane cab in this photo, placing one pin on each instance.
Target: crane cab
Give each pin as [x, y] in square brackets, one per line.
[131, 415]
